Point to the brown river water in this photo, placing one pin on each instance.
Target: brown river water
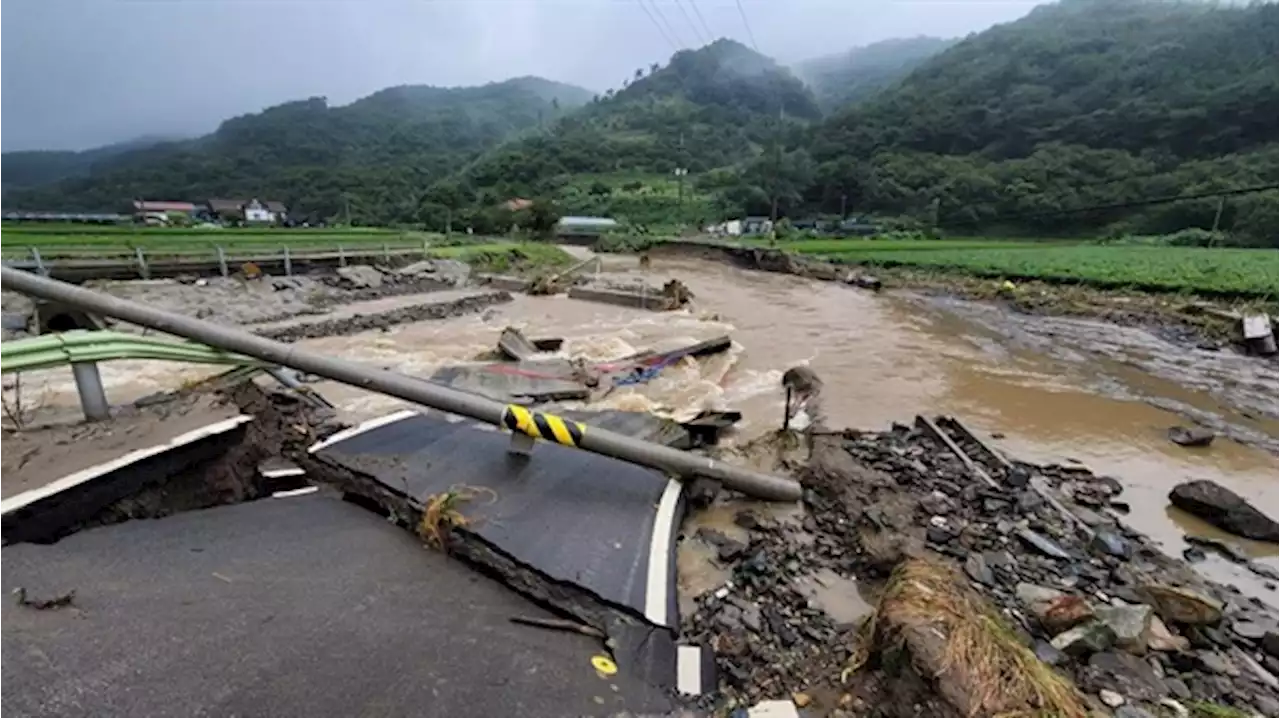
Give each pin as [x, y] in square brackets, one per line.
[1055, 390]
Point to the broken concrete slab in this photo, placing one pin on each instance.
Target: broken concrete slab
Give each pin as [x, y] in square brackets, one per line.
[110, 466]
[652, 301]
[525, 382]
[513, 344]
[371, 618]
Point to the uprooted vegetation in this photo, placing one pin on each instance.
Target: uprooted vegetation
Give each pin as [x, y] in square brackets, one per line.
[978, 661]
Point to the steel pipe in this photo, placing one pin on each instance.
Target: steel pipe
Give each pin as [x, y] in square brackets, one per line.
[93, 398]
[453, 401]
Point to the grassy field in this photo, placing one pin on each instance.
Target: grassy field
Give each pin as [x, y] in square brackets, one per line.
[82, 241]
[1216, 272]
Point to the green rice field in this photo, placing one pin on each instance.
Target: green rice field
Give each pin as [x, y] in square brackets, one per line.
[1215, 272]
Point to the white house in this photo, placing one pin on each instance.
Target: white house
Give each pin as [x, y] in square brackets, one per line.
[255, 211]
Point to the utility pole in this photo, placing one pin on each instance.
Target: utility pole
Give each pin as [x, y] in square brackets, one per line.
[777, 163]
[448, 222]
[844, 198]
[346, 208]
[1217, 217]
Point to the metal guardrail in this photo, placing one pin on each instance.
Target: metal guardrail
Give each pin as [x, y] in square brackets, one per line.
[525, 424]
[140, 259]
[82, 345]
[84, 349]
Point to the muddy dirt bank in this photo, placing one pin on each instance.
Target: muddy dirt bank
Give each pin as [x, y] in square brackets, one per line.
[1147, 628]
[1170, 316]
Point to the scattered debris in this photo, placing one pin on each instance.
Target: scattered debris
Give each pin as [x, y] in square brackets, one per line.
[559, 624]
[60, 600]
[1190, 436]
[441, 513]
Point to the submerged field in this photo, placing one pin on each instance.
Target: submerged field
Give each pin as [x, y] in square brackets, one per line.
[1217, 272]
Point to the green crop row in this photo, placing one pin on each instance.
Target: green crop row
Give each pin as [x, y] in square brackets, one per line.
[1222, 272]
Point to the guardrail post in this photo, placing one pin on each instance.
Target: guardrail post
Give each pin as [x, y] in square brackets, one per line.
[35, 254]
[342, 257]
[386, 253]
[222, 261]
[93, 398]
[288, 263]
[143, 270]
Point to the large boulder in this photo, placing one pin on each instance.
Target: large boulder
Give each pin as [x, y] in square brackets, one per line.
[1225, 509]
[1182, 605]
[360, 276]
[1055, 610]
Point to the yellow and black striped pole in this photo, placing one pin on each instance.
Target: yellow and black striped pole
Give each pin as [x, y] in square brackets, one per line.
[542, 426]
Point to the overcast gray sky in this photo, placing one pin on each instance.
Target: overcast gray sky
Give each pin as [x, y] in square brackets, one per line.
[82, 73]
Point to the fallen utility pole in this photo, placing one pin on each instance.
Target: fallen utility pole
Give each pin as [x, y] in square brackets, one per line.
[453, 401]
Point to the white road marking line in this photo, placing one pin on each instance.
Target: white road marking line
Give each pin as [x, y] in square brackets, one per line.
[773, 709]
[295, 492]
[689, 670]
[656, 587]
[282, 473]
[358, 429]
[27, 498]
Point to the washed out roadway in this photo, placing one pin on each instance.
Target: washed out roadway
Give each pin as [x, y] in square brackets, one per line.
[305, 606]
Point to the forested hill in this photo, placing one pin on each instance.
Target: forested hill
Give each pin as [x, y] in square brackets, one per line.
[716, 107]
[380, 150]
[28, 168]
[839, 80]
[1081, 103]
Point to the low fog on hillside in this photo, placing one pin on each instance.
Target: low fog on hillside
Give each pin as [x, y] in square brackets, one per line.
[83, 73]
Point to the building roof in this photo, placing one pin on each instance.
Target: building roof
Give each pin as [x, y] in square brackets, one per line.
[162, 206]
[589, 221]
[225, 205]
[518, 203]
[277, 207]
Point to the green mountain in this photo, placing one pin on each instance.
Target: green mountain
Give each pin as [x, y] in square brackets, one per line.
[378, 152]
[848, 77]
[1079, 104]
[29, 168]
[720, 106]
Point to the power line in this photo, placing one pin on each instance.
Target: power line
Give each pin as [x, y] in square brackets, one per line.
[697, 34]
[654, 20]
[701, 20]
[750, 35]
[663, 18]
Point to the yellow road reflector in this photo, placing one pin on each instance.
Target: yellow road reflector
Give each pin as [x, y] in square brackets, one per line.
[604, 665]
[542, 426]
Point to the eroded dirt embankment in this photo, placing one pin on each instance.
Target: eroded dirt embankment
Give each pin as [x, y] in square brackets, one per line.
[1171, 316]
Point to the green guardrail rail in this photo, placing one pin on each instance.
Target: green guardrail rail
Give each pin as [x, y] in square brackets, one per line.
[83, 346]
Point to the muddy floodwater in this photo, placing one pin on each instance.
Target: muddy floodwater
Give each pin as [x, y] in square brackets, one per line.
[1052, 389]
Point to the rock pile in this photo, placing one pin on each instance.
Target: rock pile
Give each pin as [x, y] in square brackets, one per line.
[1132, 627]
